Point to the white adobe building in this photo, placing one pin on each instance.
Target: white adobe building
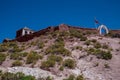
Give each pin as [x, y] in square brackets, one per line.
[24, 31]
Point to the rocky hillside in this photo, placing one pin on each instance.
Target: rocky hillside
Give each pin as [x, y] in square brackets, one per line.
[61, 54]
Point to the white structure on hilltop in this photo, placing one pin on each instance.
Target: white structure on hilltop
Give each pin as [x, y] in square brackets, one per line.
[103, 27]
[24, 31]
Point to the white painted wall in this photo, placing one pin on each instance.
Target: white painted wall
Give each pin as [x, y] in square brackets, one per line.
[28, 32]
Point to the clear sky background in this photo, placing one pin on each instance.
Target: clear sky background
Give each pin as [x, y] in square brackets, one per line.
[39, 14]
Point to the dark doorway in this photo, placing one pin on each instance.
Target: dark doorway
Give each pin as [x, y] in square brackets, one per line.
[25, 32]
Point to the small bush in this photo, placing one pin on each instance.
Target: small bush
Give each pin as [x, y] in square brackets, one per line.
[15, 56]
[91, 51]
[55, 34]
[78, 47]
[1, 73]
[3, 48]
[105, 46]
[59, 39]
[80, 77]
[12, 44]
[59, 59]
[59, 42]
[71, 77]
[88, 42]
[58, 49]
[17, 76]
[56, 58]
[28, 78]
[94, 40]
[61, 68]
[97, 45]
[52, 59]
[83, 38]
[40, 56]
[8, 76]
[33, 43]
[96, 64]
[64, 52]
[49, 78]
[17, 63]
[64, 34]
[100, 53]
[106, 55]
[47, 64]
[106, 65]
[2, 58]
[88, 32]
[32, 57]
[23, 54]
[41, 45]
[75, 33]
[69, 63]
[16, 49]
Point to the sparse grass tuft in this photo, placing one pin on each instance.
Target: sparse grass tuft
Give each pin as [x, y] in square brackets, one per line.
[75, 33]
[58, 48]
[88, 42]
[15, 56]
[105, 46]
[2, 58]
[106, 65]
[23, 54]
[69, 63]
[97, 45]
[17, 63]
[61, 68]
[71, 77]
[41, 45]
[32, 57]
[83, 38]
[17, 76]
[80, 77]
[94, 40]
[100, 53]
[47, 64]
[52, 59]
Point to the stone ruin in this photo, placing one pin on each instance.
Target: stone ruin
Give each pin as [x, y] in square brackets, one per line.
[24, 31]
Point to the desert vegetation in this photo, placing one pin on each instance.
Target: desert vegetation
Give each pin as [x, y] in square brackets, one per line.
[51, 61]
[69, 63]
[2, 58]
[72, 77]
[41, 45]
[58, 48]
[32, 57]
[17, 76]
[17, 63]
[100, 53]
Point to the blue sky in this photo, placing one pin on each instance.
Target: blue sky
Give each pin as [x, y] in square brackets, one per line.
[39, 14]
